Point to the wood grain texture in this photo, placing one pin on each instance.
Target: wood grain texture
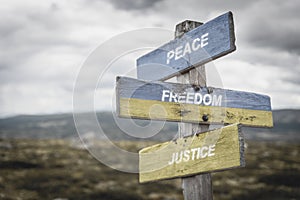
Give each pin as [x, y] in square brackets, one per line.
[197, 187]
[221, 41]
[156, 110]
[155, 161]
[138, 99]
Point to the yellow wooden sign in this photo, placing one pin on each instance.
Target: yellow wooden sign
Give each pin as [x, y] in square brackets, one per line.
[214, 150]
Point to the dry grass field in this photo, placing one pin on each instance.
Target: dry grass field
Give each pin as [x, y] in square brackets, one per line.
[53, 169]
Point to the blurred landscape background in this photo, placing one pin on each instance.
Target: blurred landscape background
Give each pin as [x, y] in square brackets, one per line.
[43, 158]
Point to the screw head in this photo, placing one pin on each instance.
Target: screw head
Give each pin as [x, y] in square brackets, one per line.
[205, 118]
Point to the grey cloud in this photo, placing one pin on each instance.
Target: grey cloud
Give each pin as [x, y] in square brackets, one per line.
[293, 80]
[6, 29]
[54, 7]
[34, 26]
[221, 5]
[266, 56]
[134, 4]
[274, 26]
[31, 32]
[30, 41]
[281, 37]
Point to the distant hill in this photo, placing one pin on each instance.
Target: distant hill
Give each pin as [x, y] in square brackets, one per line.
[63, 126]
[286, 127]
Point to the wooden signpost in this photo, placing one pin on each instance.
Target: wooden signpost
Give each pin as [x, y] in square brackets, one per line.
[187, 103]
[197, 151]
[214, 150]
[196, 47]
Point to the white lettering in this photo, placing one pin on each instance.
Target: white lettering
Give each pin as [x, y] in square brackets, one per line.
[194, 47]
[203, 155]
[178, 52]
[193, 153]
[217, 100]
[170, 55]
[172, 160]
[204, 40]
[164, 94]
[178, 160]
[207, 99]
[198, 153]
[187, 49]
[186, 155]
[190, 97]
[190, 154]
[211, 150]
[198, 98]
[173, 96]
[182, 98]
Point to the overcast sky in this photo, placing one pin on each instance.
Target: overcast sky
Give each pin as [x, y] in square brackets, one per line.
[44, 44]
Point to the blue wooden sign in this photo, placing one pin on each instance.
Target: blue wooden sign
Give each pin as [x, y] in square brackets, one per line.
[198, 46]
[187, 103]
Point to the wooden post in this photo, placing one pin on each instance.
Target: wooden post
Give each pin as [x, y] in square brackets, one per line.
[197, 187]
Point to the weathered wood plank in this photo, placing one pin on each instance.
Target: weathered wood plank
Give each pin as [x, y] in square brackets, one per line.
[149, 100]
[198, 46]
[214, 150]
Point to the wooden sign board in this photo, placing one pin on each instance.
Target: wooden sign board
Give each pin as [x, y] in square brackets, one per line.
[186, 103]
[211, 151]
[198, 46]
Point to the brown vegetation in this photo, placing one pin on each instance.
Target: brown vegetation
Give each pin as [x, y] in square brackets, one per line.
[52, 169]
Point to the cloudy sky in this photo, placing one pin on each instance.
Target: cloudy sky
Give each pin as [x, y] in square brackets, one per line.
[45, 44]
